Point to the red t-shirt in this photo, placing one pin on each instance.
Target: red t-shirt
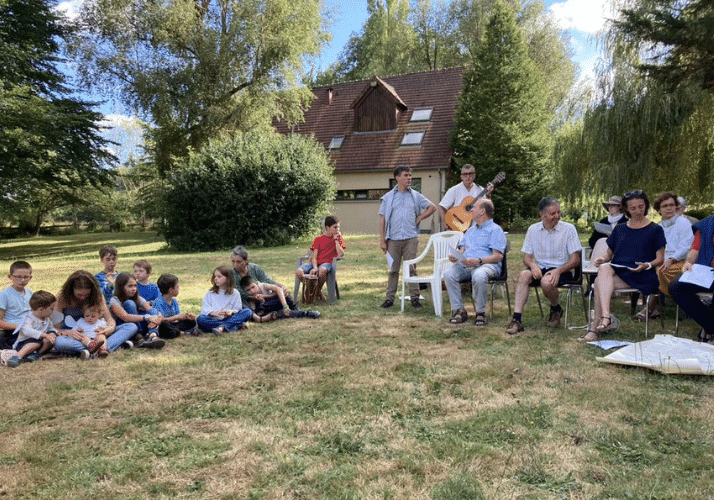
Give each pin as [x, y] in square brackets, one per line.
[325, 249]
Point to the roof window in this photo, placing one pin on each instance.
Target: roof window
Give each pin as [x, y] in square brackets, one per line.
[421, 115]
[413, 138]
[336, 142]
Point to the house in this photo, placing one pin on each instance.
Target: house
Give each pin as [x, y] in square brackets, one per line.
[372, 126]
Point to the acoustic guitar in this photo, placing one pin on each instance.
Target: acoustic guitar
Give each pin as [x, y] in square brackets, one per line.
[458, 218]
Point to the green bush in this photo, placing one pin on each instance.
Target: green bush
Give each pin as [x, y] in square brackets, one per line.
[257, 189]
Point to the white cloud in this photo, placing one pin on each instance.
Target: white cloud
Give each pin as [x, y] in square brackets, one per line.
[70, 8]
[588, 16]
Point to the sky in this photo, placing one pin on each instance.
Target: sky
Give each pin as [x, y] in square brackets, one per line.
[582, 20]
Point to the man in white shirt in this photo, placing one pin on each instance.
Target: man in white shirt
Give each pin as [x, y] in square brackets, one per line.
[456, 194]
[552, 253]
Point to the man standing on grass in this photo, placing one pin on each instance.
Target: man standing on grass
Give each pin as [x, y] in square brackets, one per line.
[482, 248]
[552, 252]
[400, 213]
[456, 194]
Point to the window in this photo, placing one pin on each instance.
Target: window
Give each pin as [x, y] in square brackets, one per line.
[336, 142]
[416, 183]
[421, 115]
[413, 138]
[360, 194]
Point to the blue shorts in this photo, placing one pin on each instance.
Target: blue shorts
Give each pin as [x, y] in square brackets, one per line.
[306, 268]
[22, 344]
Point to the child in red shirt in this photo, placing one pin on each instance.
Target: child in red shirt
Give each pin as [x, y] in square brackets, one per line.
[324, 249]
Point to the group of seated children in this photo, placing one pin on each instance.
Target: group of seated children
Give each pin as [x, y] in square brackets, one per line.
[92, 316]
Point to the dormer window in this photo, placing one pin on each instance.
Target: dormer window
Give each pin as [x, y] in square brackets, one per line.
[421, 115]
[413, 138]
[336, 142]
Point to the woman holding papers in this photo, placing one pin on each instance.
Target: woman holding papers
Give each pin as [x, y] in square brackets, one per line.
[685, 288]
[634, 251]
[615, 216]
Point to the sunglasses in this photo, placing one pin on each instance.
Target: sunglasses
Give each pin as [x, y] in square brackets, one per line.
[636, 192]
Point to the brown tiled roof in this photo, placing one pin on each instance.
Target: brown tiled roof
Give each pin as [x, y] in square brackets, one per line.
[366, 151]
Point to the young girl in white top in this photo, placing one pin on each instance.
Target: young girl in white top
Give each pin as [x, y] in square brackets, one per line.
[222, 309]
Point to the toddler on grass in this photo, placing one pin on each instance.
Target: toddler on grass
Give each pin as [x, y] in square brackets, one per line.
[35, 334]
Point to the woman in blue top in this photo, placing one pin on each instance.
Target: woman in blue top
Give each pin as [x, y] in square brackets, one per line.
[635, 250]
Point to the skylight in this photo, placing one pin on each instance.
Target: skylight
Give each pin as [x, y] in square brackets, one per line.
[413, 138]
[421, 115]
[336, 142]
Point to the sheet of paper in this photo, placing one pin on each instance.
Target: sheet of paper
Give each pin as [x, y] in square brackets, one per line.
[623, 267]
[610, 344]
[390, 261]
[457, 255]
[699, 275]
[603, 228]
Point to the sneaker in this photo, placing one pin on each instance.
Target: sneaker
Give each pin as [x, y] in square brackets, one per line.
[194, 332]
[312, 314]
[218, 331]
[84, 354]
[387, 303]
[514, 327]
[32, 357]
[416, 304]
[153, 342]
[554, 319]
[128, 345]
[14, 362]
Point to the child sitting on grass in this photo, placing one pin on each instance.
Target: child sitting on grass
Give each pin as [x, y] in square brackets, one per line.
[270, 301]
[149, 291]
[175, 323]
[222, 309]
[127, 305]
[35, 334]
[92, 327]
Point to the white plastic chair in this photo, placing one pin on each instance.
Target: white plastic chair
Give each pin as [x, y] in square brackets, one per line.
[441, 243]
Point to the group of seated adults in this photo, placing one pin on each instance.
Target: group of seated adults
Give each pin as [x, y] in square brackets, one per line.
[637, 253]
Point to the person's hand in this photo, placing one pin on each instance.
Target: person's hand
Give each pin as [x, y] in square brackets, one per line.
[383, 245]
[80, 330]
[452, 259]
[666, 265]
[598, 261]
[551, 278]
[73, 334]
[313, 271]
[111, 277]
[106, 331]
[51, 337]
[641, 266]
[687, 266]
[537, 273]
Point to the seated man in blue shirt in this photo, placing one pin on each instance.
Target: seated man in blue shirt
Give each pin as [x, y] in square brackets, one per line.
[482, 247]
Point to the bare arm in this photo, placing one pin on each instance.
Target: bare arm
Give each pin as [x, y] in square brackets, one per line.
[382, 234]
[4, 324]
[426, 213]
[530, 262]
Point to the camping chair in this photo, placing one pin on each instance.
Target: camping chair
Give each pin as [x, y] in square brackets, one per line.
[575, 284]
[442, 243]
[333, 290]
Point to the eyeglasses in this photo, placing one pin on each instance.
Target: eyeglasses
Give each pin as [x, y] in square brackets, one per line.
[636, 192]
[468, 174]
[22, 278]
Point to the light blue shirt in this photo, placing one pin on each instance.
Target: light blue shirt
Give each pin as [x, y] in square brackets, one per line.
[482, 241]
[400, 210]
[15, 304]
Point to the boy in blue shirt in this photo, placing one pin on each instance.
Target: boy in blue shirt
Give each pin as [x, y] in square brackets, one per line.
[149, 291]
[174, 323]
[106, 278]
[14, 302]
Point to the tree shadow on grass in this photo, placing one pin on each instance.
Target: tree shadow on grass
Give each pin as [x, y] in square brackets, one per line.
[77, 244]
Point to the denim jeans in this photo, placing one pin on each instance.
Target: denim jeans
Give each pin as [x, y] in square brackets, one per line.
[143, 326]
[230, 324]
[307, 267]
[121, 334]
[456, 274]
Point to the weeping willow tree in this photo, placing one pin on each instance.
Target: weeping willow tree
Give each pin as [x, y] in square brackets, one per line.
[638, 131]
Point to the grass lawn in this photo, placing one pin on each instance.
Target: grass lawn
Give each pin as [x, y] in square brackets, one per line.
[364, 403]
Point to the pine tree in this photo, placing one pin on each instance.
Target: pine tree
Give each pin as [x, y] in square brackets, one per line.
[501, 120]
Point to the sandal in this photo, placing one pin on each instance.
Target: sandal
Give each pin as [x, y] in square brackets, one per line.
[93, 346]
[460, 316]
[480, 320]
[606, 325]
[654, 313]
[704, 337]
[271, 316]
[591, 336]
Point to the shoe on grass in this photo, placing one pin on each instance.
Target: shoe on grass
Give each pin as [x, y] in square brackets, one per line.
[32, 357]
[514, 327]
[554, 318]
[416, 304]
[84, 354]
[14, 362]
[387, 304]
[312, 314]
[218, 331]
[153, 342]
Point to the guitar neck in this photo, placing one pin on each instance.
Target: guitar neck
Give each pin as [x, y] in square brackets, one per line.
[483, 192]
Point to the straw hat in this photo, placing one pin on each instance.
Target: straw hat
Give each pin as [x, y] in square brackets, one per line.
[615, 200]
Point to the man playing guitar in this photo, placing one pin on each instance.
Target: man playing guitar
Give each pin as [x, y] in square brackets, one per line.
[456, 194]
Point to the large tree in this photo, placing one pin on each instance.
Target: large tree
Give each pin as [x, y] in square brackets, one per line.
[195, 68]
[675, 37]
[501, 120]
[51, 145]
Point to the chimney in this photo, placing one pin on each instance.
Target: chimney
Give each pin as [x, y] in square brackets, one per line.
[329, 96]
